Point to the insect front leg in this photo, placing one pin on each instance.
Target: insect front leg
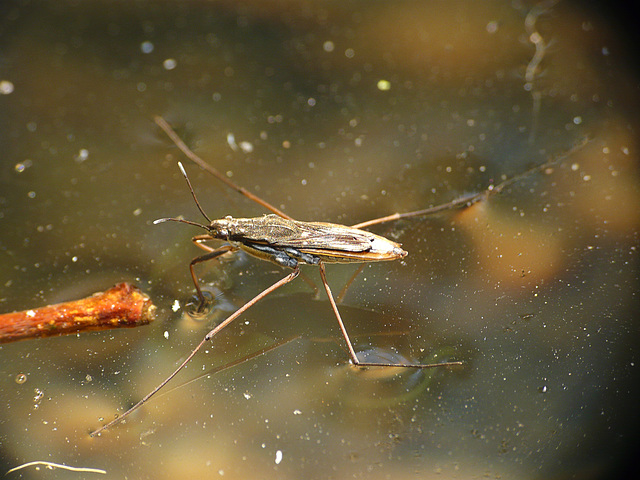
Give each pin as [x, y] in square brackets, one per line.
[199, 240]
[203, 258]
[352, 352]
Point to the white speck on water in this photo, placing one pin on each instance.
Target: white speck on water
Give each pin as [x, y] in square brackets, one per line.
[246, 147]
[384, 85]
[6, 87]
[82, 155]
[146, 47]
[278, 457]
[231, 141]
[22, 166]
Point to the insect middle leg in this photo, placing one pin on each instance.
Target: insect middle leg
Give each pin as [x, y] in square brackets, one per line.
[352, 352]
[207, 337]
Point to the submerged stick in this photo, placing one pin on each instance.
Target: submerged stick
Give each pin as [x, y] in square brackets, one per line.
[121, 306]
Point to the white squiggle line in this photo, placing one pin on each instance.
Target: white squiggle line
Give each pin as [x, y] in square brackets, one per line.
[58, 465]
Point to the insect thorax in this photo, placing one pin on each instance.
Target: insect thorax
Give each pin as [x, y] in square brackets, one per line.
[257, 237]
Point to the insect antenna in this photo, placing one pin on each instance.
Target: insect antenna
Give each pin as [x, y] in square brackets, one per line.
[193, 194]
[181, 220]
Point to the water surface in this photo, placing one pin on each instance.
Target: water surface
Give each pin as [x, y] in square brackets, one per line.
[337, 112]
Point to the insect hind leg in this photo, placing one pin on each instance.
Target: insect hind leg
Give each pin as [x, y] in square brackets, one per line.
[352, 352]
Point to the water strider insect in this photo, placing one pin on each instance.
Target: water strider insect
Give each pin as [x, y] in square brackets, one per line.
[286, 242]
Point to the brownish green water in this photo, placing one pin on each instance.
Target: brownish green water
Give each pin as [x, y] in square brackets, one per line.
[340, 112]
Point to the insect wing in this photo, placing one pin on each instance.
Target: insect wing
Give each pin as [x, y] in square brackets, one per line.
[280, 232]
[329, 241]
[337, 243]
[328, 236]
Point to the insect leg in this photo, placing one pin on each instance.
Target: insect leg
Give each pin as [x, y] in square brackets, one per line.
[162, 123]
[470, 199]
[208, 256]
[252, 302]
[457, 203]
[199, 240]
[352, 352]
[207, 337]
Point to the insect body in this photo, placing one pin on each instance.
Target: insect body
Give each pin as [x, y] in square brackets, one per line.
[288, 243]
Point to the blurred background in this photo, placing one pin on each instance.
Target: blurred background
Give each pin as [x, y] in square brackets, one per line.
[340, 112]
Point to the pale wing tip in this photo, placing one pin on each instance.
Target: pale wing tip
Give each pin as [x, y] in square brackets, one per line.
[386, 248]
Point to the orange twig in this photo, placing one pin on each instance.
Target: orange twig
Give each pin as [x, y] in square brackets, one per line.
[121, 306]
